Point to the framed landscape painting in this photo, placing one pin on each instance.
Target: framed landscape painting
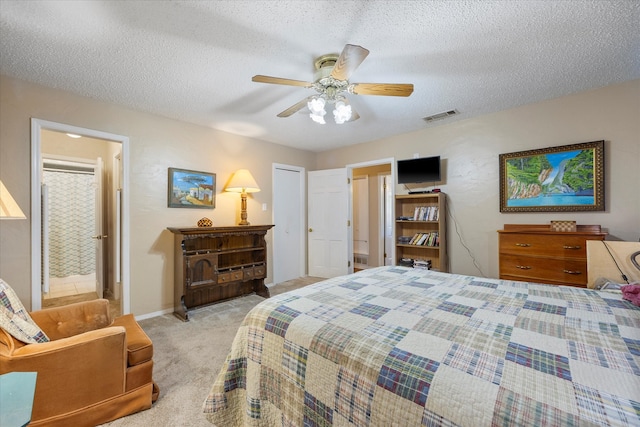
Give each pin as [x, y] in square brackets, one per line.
[191, 189]
[569, 178]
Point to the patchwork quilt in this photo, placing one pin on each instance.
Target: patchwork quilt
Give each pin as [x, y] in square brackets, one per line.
[395, 346]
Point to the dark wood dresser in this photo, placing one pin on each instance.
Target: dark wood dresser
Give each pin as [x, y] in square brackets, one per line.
[535, 253]
[213, 264]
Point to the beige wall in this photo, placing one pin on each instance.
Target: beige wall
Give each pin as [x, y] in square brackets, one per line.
[156, 143]
[470, 150]
[606, 260]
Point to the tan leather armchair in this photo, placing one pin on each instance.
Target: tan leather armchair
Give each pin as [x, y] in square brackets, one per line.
[92, 371]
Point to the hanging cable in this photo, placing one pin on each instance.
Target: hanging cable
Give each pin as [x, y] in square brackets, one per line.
[615, 262]
[634, 261]
[455, 223]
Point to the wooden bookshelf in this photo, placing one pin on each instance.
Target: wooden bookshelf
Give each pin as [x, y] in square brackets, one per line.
[421, 229]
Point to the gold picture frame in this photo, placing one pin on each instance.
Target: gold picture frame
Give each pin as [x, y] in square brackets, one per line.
[568, 178]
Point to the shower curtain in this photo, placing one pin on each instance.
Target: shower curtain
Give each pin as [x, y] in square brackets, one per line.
[71, 222]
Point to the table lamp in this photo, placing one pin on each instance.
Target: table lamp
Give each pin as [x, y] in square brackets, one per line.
[243, 182]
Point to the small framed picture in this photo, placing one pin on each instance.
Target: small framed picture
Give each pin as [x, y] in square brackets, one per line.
[191, 189]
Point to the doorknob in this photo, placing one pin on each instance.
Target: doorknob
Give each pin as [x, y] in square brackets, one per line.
[310, 230]
[104, 236]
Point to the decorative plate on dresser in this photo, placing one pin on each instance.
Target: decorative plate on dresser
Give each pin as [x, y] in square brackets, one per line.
[536, 253]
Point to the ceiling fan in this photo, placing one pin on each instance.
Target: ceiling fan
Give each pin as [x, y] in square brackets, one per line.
[331, 82]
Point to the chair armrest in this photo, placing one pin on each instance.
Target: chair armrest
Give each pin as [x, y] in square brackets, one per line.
[139, 345]
[86, 339]
[73, 319]
[73, 372]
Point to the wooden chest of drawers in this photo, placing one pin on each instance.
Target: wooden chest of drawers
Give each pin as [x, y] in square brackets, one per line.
[534, 253]
[213, 264]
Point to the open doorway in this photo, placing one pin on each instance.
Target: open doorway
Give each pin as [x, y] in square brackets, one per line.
[70, 203]
[372, 191]
[78, 219]
[80, 216]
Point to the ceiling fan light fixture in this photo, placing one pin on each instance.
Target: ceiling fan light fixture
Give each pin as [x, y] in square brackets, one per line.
[342, 112]
[331, 82]
[316, 106]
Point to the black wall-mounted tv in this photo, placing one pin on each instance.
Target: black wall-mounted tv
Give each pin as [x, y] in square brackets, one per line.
[423, 169]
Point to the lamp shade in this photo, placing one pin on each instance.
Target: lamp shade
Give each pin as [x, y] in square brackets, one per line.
[9, 209]
[242, 182]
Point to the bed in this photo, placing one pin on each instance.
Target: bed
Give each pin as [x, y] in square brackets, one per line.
[396, 346]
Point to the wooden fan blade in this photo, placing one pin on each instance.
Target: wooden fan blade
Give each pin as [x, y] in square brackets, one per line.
[295, 107]
[280, 81]
[350, 59]
[383, 89]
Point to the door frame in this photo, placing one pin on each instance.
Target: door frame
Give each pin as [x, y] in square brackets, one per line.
[302, 259]
[368, 217]
[37, 125]
[350, 167]
[386, 186]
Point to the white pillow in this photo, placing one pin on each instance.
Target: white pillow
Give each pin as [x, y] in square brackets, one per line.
[15, 319]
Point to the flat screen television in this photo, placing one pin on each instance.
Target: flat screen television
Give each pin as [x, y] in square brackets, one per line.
[423, 169]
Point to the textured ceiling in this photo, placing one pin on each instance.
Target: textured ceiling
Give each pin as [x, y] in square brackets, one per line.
[193, 60]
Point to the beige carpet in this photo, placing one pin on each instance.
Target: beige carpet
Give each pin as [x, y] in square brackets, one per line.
[188, 356]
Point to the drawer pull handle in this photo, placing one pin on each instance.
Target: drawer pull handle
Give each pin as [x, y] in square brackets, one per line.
[572, 272]
[523, 245]
[572, 247]
[523, 267]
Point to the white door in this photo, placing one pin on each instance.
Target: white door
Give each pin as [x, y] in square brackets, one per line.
[99, 235]
[45, 238]
[116, 231]
[289, 219]
[361, 221]
[388, 219]
[328, 233]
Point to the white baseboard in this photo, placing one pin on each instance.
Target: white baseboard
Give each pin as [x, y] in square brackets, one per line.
[154, 314]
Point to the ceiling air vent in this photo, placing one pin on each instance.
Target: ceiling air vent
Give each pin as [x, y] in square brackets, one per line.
[440, 116]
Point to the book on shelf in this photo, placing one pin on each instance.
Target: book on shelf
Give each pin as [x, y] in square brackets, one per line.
[425, 213]
[424, 264]
[422, 239]
[406, 262]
